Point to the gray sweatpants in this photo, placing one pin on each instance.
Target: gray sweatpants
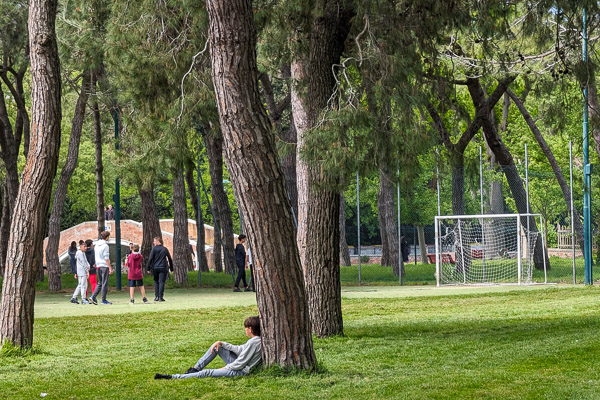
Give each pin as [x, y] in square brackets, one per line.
[225, 355]
[102, 283]
[81, 286]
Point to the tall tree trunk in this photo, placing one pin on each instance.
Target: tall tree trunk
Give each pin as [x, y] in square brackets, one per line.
[10, 141]
[217, 245]
[513, 178]
[555, 167]
[318, 209]
[422, 245]
[214, 149]
[383, 230]
[388, 214]
[181, 245]
[496, 190]
[200, 234]
[344, 250]
[257, 176]
[10, 154]
[288, 163]
[99, 168]
[33, 199]
[458, 184]
[4, 227]
[150, 222]
[60, 194]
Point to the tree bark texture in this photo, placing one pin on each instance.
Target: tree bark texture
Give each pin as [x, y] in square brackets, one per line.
[15, 87]
[422, 245]
[385, 247]
[9, 142]
[323, 34]
[200, 234]
[33, 199]
[150, 222]
[504, 158]
[344, 250]
[555, 167]
[99, 169]
[387, 216]
[60, 194]
[252, 160]
[288, 163]
[4, 227]
[496, 189]
[288, 160]
[182, 258]
[213, 142]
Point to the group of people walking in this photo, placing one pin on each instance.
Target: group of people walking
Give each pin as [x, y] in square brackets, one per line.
[92, 261]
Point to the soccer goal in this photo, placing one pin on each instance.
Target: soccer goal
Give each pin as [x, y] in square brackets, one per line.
[487, 249]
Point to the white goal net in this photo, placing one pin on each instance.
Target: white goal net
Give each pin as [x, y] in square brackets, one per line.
[487, 249]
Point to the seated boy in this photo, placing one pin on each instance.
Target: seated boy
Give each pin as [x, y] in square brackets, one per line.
[238, 359]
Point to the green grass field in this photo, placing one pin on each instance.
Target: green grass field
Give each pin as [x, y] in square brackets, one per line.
[417, 342]
[371, 274]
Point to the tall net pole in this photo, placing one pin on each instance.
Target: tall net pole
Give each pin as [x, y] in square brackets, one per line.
[587, 172]
[481, 179]
[117, 201]
[438, 250]
[358, 223]
[528, 238]
[572, 210]
[481, 200]
[437, 174]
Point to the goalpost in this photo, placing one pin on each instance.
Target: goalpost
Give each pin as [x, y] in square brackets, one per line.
[487, 249]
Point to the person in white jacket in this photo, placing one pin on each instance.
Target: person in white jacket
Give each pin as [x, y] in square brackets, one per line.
[238, 359]
[83, 267]
[103, 268]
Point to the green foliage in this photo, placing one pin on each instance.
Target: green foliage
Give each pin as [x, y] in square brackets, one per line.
[81, 27]
[13, 35]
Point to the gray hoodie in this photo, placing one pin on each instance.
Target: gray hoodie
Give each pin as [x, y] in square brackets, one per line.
[248, 355]
[83, 265]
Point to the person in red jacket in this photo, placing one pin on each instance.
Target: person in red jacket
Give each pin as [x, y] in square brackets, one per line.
[135, 274]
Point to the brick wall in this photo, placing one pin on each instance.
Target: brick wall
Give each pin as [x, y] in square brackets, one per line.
[131, 232]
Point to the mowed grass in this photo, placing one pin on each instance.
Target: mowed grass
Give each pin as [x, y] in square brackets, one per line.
[496, 343]
[371, 274]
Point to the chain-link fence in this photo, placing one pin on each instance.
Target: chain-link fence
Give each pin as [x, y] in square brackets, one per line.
[478, 186]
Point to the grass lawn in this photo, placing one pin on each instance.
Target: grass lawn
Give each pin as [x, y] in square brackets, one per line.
[371, 275]
[400, 343]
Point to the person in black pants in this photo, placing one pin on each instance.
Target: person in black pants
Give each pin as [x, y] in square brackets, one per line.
[158, 261]
[240, 260]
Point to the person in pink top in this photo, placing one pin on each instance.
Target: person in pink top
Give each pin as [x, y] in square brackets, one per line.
[135, 274]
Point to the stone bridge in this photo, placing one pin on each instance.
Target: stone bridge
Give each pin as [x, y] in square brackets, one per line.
[131, 232]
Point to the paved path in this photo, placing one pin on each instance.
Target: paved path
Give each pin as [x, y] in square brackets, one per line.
[56, 305]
